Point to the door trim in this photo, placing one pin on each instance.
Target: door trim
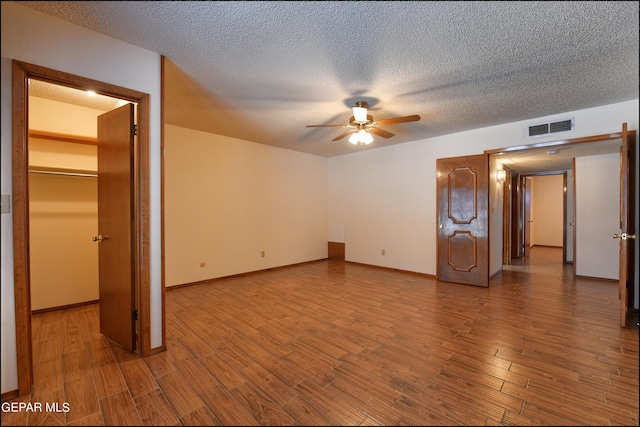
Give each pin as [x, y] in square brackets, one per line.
[563, 173]
[558, 143]
[565, 142]
[21, 73]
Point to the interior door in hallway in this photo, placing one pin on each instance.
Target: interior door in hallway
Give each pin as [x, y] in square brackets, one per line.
[526, 238]
[463, 219]
[116, 218]
[627, 233]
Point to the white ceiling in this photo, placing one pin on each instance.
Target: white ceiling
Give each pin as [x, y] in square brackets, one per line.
[262, 71]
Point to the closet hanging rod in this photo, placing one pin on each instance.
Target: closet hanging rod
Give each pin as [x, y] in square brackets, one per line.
[55, 172]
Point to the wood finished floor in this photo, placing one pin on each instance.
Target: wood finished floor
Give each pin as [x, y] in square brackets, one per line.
[331, 343]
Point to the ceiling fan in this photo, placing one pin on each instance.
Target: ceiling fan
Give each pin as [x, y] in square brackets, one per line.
[361, 125]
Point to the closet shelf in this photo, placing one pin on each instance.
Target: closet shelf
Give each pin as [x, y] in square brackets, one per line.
[64, 171]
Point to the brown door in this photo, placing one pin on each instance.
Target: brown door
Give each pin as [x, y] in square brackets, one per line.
[516, 247]
[626, 233]
[526, 245]
[463, 220]
[115, 225]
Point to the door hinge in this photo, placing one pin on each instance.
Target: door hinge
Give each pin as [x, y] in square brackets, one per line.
[134, 130]
[134, 315]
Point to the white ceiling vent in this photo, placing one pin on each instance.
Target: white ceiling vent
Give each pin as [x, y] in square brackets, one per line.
[551, 128]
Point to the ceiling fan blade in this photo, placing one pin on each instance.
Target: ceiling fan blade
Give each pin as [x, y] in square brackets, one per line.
[395, 120]
[380, 132]
[327, 126]
[342, 135]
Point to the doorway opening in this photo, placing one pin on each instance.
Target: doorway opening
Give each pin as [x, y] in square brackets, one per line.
[608, 174]
[62, 189]
[541, 214]
[23, 73]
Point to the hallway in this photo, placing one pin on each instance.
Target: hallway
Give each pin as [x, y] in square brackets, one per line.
[547, 262]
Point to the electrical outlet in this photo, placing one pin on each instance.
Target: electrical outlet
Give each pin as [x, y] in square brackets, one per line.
[262, 254]
[383, 252]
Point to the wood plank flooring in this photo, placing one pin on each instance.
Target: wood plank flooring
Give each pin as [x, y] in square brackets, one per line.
[333, 343]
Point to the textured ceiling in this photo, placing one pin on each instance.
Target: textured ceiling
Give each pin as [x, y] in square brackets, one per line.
[41, 89]
[261, 71]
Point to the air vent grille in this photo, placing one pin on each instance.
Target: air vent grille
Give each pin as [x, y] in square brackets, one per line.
[539, 130]
[551, 128]
[562, 126]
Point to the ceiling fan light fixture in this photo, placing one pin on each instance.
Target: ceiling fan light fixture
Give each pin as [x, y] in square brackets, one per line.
[365, 137]
[361, 137]
[360, 115]
[360, 112]
[361, 122]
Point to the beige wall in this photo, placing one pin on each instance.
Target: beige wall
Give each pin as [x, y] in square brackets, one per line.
[496, 203]
[597, 216]
[45, 153]
[547, 210]
[228, 200]
[63, 216]
[63, 210]
[61, 118]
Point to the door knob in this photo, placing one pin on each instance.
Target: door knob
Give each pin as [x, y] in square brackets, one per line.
[99, 238]
[624, 236]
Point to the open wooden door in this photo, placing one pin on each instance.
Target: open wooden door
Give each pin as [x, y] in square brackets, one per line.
[626, 235]
[526, 238]
[516, 209]
[116, 218]
[463, 220]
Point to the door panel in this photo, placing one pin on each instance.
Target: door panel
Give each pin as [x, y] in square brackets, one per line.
[115, 225]
[526, 245]
[463, 220]
[516, 209]
[625, 231]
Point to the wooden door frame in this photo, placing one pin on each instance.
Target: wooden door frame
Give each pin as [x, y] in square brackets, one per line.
[565, 142]
[564, 205]
[506, 210]
[21, 73]
[594, 138]
[511, 218]
[512, 230]
[526, 225]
